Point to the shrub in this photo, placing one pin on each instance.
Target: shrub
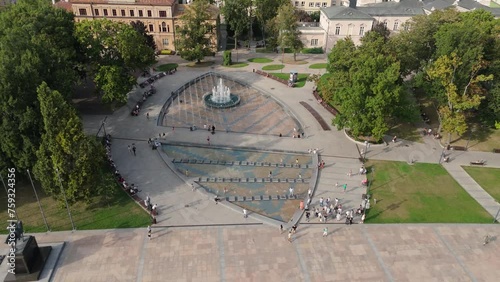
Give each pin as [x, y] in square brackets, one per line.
[167, 52]
[316, 50]
[227, 61]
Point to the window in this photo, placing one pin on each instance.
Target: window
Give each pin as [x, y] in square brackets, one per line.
[163, 14]
[163, 27]
[337, 30]
[114, 12]
[311, 4]
[151, 28]
[396, 25]
[149, 13]
[105, 12]
[303, 3]
[318, 4]
[325, 4]
[131, 13]
[296, 3]
[314, 42]
[140, 13]
[96, 12]
[83, 12]
[361, 30]
[165, 42]
[385, 24]
[123, 13]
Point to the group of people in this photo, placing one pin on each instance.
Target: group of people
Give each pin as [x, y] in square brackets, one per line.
[137, 108]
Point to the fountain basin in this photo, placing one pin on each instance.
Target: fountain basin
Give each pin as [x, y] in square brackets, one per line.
[234, 100]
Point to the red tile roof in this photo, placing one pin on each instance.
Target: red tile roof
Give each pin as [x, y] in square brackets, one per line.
[143, 2]
[64, 5]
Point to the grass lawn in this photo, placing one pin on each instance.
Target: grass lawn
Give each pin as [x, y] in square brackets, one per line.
[488, 178]
[419, 193]
[301, 81]
[273, 67]
[482, 139]
[120, 212]
[318, 66]
[260, 60]
[167, 67]
[237, 65]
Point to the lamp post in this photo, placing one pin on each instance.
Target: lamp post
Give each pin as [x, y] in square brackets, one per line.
[38, 200]
[65, 200]
[7, 193]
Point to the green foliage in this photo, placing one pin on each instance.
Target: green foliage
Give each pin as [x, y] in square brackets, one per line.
[315, 50]
[365, 82]
[236, 14]
[318, 66]
[227, 61]
[273, 67]
[36, 44]
[260, 60]
[65, 151]
[113, 50]
[167, 67]
[285, 26]
[141, 28]
[265, 11]
[193, 41]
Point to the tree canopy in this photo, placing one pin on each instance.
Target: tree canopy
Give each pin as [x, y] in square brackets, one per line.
[36, 44]
[194, 40]
[285, 26]
[237, 15]
[141, 28]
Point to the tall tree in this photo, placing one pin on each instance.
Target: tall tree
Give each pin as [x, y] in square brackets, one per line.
[458, 96]
[238, 15]
[265, 11]
[141, 28]
[116, 47]
[194, 41]
[287, 30]
[65, 151]
[36, 44]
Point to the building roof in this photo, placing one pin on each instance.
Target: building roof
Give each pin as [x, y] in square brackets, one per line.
[345, 13]
[64, 5]
[465, 4]
[137, 2]
[403, 8]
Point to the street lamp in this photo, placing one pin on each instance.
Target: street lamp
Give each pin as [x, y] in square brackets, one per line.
[65, 200]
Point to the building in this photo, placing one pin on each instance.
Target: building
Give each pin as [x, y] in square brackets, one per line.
[338, 22]
[159, 16]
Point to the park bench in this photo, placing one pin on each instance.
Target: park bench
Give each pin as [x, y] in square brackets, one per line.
[480, 162]
[496, 151]
[458, 148]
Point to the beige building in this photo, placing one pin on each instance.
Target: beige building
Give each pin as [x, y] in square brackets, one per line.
[159, 16]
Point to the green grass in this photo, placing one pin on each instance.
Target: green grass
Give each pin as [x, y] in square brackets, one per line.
[318, 66]
[119, 212]
[273, 67]
[488, 178]
[237, 65]
[301, 81]
[167, 67]
[419, 193]
[260, 60]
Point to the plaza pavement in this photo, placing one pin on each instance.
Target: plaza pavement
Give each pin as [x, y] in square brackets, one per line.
[244, 249]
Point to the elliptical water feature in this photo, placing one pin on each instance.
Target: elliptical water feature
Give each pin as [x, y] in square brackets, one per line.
[221, 97]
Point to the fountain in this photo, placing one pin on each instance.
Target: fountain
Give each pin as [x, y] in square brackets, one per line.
[221, 97]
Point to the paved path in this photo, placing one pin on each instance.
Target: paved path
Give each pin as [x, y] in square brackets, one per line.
[423, 252]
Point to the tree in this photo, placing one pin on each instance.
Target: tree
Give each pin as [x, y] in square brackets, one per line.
[365, 83]
[141, 28]
[193, 41]
[65, 151]
[237, 15]
[459, 96]
[115, 47]
[286, 28]
[36, 44]
[265, 11]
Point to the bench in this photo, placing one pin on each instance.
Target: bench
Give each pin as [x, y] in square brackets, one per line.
[458, 148]
[481, 163]
[496, 151]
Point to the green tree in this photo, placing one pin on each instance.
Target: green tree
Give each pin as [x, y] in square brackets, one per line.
[65, 151]
[193, 41]
[141, 28]
[265, 11]
[36, 44]
[237, 15]
[116, 47]
[285, 24]
[458, 96]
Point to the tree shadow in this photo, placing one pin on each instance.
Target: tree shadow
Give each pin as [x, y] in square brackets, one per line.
[390, 207]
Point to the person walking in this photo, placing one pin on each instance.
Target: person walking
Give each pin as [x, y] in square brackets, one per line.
[130, 149]
[345, 187]
[245, 213]
[290, 236]
[147, 116]
[294, 228]
[309, 193]
[325, 231]
[308, 214]
[281, 228]
[208, 140]
[290, 190]
[133, 148]
[149, 232]
[362, 218]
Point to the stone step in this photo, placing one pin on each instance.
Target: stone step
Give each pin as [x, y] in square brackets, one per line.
[260, 198]
[252, 180]
[240, 163]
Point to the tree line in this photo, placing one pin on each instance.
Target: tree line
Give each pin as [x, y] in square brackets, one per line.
[44, 54]
[453, 57]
